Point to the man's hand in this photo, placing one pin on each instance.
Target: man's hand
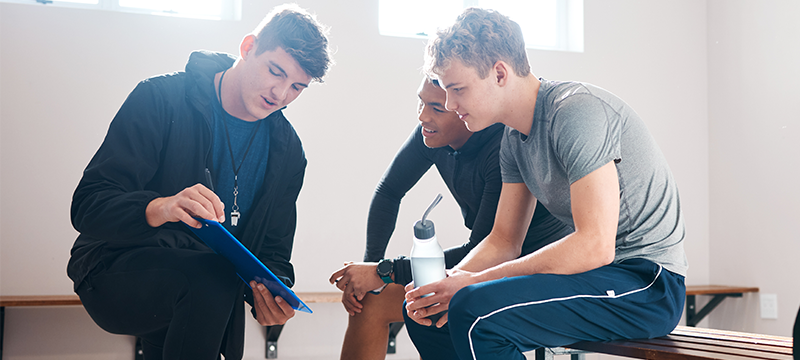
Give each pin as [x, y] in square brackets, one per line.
[195, 201]
[270, 310]
[355, 280]
[419, 308]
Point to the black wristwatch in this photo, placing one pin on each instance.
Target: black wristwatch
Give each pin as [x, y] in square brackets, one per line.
[385, 269]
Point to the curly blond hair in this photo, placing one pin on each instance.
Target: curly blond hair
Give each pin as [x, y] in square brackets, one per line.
[479, 38]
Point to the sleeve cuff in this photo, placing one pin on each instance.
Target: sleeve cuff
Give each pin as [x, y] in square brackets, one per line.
[402, 270]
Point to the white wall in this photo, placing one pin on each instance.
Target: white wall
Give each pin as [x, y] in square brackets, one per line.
[755, 126]
[64, 73]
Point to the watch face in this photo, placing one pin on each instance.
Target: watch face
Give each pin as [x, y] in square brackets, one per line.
[385, 267]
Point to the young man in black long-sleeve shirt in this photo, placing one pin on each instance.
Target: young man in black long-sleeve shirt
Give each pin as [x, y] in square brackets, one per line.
[469, 165]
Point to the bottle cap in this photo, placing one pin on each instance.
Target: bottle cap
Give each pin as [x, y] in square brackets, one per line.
[423, 229]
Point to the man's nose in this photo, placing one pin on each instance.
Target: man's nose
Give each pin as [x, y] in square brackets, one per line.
[450, 104]
[423, 116]
[281, 91]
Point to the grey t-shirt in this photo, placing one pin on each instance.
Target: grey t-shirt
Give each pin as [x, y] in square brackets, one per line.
[577, 128]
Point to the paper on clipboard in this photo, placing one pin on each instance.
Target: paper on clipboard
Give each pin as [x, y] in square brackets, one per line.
[248, 267]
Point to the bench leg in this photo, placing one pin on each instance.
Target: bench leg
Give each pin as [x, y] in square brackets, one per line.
[549, 353]
[2, 326]
[394, 329]
[273, 333]
[693, 317]
[138, 353]
[543, 354]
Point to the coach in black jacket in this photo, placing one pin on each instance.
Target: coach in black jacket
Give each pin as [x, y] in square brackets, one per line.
[136, 267]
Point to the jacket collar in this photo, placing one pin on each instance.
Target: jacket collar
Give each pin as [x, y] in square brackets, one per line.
[202, 67]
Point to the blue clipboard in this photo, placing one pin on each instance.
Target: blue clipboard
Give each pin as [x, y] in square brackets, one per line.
[248, 267]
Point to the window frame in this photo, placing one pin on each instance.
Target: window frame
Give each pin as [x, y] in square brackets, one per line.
[569, 27]
[231, 9]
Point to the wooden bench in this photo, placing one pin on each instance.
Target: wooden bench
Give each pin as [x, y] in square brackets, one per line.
[688, 342]
[719, 293]
[683, 343]
[73, 300]
[274, 332]
[691, 344]
[693, 317]
[45, 300]
[32, 300]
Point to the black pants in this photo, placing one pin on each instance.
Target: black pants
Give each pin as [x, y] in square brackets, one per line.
[178, 301]
[796, 337]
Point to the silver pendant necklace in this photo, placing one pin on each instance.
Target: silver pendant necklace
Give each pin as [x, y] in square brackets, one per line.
[235, 214]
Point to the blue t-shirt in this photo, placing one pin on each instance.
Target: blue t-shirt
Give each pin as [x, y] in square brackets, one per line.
[253, 166]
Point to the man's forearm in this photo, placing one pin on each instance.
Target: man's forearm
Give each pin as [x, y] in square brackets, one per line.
[489, 253]
[576, 253]
[573, 254]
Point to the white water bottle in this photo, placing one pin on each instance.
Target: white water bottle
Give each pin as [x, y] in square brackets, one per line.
[427, 257]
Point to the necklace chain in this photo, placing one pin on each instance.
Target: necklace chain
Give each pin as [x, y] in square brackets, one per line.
[235, 215]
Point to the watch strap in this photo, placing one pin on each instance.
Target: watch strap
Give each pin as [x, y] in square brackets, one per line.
[386, 277]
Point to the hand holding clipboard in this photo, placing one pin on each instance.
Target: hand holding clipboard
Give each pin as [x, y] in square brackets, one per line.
[248, 267]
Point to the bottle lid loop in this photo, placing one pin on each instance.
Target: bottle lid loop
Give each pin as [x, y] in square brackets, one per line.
[423, 229]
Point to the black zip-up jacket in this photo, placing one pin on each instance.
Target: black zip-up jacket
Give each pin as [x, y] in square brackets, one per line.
[158, 144]
[472, 174]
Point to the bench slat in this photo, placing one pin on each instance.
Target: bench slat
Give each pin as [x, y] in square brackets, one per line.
[696, 344]
[320, 297]
[718, 289]
[716, 346]
[651, 351]
[39, 300]
[732, 336]
[60, 300]
[703, 342]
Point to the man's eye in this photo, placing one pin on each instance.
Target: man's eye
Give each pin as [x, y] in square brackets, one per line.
[273, 72]
[438, 110]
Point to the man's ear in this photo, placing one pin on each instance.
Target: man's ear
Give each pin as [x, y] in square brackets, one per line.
[247, 46]
[501, 72]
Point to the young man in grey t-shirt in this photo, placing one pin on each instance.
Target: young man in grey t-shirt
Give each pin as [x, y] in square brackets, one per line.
[588, 158]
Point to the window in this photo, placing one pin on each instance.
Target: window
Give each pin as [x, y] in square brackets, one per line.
[546, 24]
[201, 9]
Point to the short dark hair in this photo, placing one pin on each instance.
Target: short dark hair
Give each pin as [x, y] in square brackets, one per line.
[298, 33]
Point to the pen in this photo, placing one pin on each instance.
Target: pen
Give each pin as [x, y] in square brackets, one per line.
[208, 180]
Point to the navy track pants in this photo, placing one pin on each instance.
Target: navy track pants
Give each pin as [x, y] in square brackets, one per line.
[503, 318]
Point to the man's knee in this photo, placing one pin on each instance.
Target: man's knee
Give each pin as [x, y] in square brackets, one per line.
[218, 270]
[461, 312]
[211, 279]
[412, 327]
[374, 314]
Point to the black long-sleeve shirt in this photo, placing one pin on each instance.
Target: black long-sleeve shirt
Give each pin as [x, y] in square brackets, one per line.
[472, 174]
